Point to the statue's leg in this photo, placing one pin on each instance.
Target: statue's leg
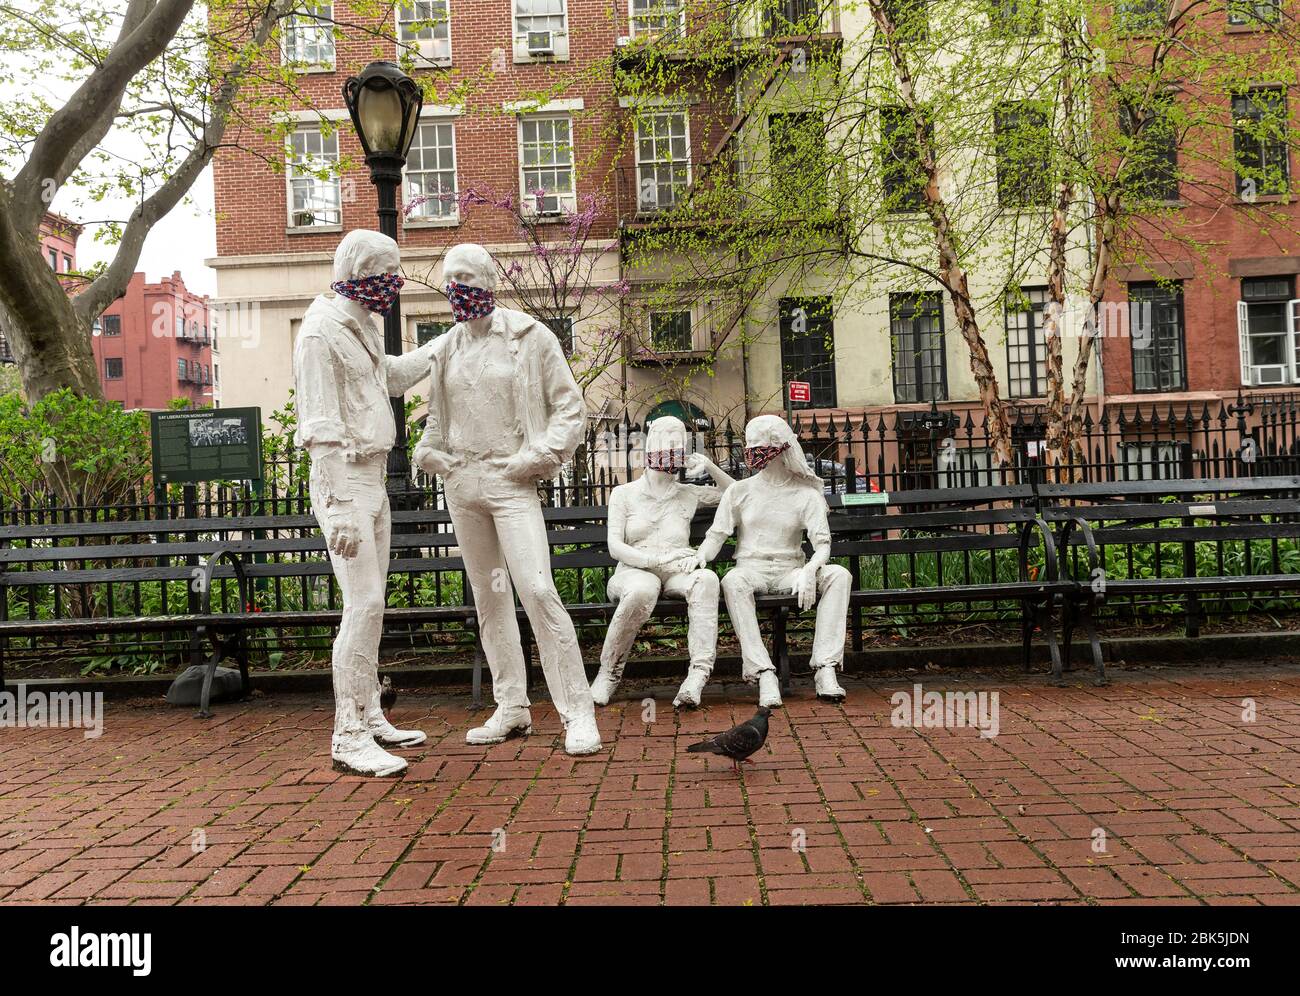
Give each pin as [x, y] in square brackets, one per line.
[834, 584]
[739, 586]
[521, 533]
[700, 589]
[494, 601]
[636, 592]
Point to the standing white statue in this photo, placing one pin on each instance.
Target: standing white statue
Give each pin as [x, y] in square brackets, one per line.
[342, 383]
[650, 537]
[771, 511]
[506, 412]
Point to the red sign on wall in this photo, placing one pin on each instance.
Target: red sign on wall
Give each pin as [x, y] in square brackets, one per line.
[800, 390]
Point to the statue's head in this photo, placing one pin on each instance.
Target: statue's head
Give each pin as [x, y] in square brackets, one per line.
[363, 253]
[470, 264]
[769, 440]
[365, 270]
[665, 444]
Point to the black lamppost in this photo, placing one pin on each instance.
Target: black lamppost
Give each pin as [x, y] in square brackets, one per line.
[385, 107]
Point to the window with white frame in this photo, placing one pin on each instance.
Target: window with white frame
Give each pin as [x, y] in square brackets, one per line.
[314, 200]
[307, 37]
[670, 331]
[1153, 461]
[425, 27]
[656, 17]
[431, 173]
[965, 467]
[540, 15]
[1268, 327]
[1025, 309]
[663, 159]
[546, 164]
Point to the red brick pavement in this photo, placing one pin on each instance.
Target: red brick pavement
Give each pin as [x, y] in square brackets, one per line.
[1196, 804]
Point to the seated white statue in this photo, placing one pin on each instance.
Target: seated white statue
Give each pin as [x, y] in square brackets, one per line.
[649, 536]
[770, 512]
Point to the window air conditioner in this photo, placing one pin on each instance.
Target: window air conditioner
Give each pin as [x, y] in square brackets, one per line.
[540, 43]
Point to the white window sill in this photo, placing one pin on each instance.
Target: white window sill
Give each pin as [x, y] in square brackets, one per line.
[311, 229]
[313, 70]
[452, 222]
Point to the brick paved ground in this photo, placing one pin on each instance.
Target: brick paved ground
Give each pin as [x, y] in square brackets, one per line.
[1197, 805]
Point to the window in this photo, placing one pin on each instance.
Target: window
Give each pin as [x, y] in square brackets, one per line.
[1160, 461]
[431, 173]
[1026, 343]
[1152, 169]
[1254, 12]
[314, 200]
[791, 17]
[112, 325]
[67, 263]
[655, 17]
[180, 327]
[900, 164]
[1021, 140]
[966, 468]
[663, 159]
[807, 326]
[920, 367]
[670, 332]
[1141, 16]
[113, 368]
[1156, 334]
[1268, 327]
[1015, 18]
[428, 329]
[798, 157]
[910, 17]
[563, 329]
[182, 370]
[425, 27]
[540, 15]
[54, 260]
[1259, 142]
[307, 38]
[546, 164]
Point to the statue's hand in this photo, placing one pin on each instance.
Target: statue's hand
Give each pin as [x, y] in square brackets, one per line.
[435, 462]
[805, 587]
[343, 532]
[697, 464]
[528, 467]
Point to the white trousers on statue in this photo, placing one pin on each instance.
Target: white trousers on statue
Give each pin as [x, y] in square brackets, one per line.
[774, 577]
[636, 592]
[502, 538]
[362, 581]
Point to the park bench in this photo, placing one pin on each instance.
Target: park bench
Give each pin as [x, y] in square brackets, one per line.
[1089, 518]
[249, 550]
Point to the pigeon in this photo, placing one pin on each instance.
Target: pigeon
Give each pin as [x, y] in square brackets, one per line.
[387, 695]
[738, 742]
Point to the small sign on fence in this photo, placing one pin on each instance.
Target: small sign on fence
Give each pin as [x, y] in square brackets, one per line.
[865, 498]
[213, 444]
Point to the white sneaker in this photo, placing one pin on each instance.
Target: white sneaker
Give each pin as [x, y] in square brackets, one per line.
[828, 687]
[581, 736]
[358, 754]
[688, 696]
[387, 735]
[603, 688]
[503, 724]
[769, 690]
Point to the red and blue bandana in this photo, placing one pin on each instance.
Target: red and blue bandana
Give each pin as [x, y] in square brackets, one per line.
[469, 302]
[669, 461]
[375, 293]
[758, 457]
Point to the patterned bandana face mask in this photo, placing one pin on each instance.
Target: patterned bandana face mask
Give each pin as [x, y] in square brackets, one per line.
[469, 302]
[758, 457]
[375, 293]
[669, 461]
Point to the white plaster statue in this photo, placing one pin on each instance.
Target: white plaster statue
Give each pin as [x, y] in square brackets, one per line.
[505, 412]
[342, 383]
[771, 511]
[650, 537]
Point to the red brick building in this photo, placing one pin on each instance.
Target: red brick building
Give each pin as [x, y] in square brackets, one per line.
[155, 344]
[58, 237]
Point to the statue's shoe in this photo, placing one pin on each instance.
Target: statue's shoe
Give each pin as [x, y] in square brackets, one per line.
[827, 685]
[503, 724]
[769, 690]
[688, 696]
[581, 736]
[603, 688]
[358, 754]
[387, 735]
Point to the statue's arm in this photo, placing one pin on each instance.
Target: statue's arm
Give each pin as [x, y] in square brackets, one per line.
[817, 526]
[724, 525]
[405, 371]
[568, 415]
[616, 531]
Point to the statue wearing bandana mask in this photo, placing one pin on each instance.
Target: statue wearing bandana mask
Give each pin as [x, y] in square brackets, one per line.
[770, 512]
[342, 383]
[649, 536]
[505, 413]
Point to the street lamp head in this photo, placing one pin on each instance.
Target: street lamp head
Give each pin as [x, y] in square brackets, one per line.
[385, 107]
